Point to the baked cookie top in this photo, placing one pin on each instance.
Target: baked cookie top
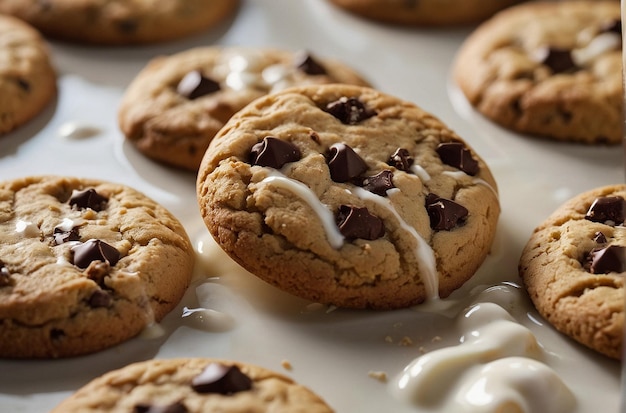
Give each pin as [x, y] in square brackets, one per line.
[174, 106]
[120, 22]
[573, 267]
[27, 78]
[84, 265]
[425, 12]
[549, 69]
[347, 196]
[193, 385]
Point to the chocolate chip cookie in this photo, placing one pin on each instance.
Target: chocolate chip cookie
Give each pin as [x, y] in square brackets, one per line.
[27, 78]
[574, 266]
[174, 107]
[84, 265]
[548, 69]
[193, 385]
[347, 196]
[120, 22]
[425, 12]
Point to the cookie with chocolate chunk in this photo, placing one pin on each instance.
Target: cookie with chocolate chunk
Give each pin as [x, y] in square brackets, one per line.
[425, 12]
[193, 385]
[125, 22]
[347, 196]
[84, 265]
[175, 106]
[548, 69]
[27, 78]
[573, 267]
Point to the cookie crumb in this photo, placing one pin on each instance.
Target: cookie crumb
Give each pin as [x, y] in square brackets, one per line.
[406, 342]
[286, 365]
[436, 339]
[388, 339]
[422, 350]
[378, 375]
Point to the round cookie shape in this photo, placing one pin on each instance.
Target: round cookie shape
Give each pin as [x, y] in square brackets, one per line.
[367, 202]
[84, 265]
[27, 78]
[177, 103]
[548, 69]
[120, 22]
[573, 268]
[425, 12]
[193, 385]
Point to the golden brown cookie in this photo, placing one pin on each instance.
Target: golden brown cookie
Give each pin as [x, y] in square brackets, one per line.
[193, 385]
[347, 196]
[84, 265]
[573, 267]
[549, 69]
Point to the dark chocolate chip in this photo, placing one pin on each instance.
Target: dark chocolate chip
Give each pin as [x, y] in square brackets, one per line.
[222, 379]
[444, 214]
[308, 64]
[100, 298]
[349, 110]
[23, 84]
[354, 222]
[128, 26]
[613, 26]
[5, 276]
[176, 407]
[609, 210]
[344, 163]
[557, 59]
[88, 198]
[458, 156]
[609, 259]
[274, 153]
[61, 236]
[56, 334]
[194, 85]
[379, 183]
[599, 237]
[95, 250]
[401, 159]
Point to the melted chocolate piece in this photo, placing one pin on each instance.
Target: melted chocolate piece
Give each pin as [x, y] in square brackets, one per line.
[88, 198]
[274, 153]
[599, 237]
[94, 250]
[309, 65]
[444, 214]
[458, 156]
[608, 210]
[100, 298]
[354, 222]
[176, 407]
[606, 260]
[221, 379]
[401, 159]
[379, 183]
[557, 59]
[349, 110]
[345, 163]
[194, 85]
[5, 276]
[61, 236]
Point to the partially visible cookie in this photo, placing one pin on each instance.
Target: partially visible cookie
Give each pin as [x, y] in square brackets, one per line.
[347, 196]
[425, 12]
[573, 267]
[193, 385]
[174, 107]
[84, 265]
[27, 78]
[549, 69]
[120, 22]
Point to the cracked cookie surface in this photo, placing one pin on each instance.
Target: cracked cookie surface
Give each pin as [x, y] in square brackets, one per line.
[548, 69]
[84, 265]
[347, 196]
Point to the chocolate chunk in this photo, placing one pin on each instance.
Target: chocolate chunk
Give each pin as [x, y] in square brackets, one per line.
[194, 85]
[354, 222]
[23, 84]
[599, 237]
[613, 26]
[401, 159]
[458, 156]
[274, 153]
[61, 236]
[100, 298]
[606, 260]
[349, 110]
[609, 210]
[176, 407]
[222, 379]
[379, 183]
[308, 65]
[88, 198]
[444, 214]
[5, 276]
[557, 59]
[56, 334]
[345, 163]
[95, 250]
[128, 26]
